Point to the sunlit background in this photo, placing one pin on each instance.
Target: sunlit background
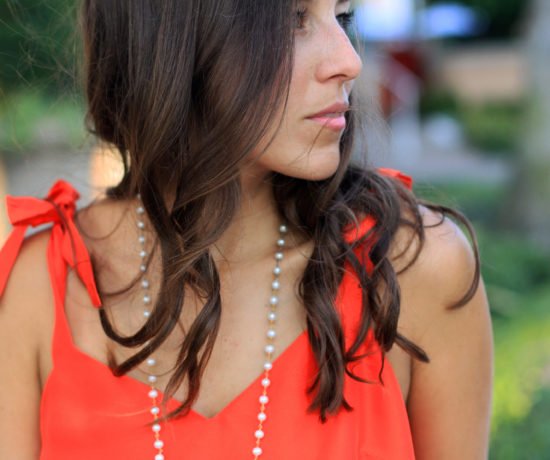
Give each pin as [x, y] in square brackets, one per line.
[458, 97]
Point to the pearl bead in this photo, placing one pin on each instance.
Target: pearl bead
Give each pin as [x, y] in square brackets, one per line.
[275, 285]
[280, 242]
[257, 451]
[269, 349]
[268, 366]
[147, 299]
[152, 379]
[262, 416]
[264, 399]
[151, 361]
[277, 270]
[146, 313]
[158, 444]
[274, 300]
[141, 225]
[153, 394]
[140, 210]
[141, 239]
[155, 410]
[283, 228]
[145, 284]
[143, 268]
[143, 254]
[156, 428]
[266, 382]
[259, 434]
[272, 316]
[159, 457]
[279, 256]
[271, 334]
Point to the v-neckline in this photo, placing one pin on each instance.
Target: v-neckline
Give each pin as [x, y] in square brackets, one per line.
[176, 402]
[173, 402]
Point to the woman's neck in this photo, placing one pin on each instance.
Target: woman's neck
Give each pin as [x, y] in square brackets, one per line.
[254, 228]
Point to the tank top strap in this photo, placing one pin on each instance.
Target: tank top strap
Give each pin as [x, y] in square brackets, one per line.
[65, 247]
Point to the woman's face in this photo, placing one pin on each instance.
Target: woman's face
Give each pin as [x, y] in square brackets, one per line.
[307, 144]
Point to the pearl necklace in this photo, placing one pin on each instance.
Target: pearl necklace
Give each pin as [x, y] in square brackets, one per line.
[269, 348]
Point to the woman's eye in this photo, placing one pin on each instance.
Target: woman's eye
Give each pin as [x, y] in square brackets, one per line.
[345, 19]
[301, 16]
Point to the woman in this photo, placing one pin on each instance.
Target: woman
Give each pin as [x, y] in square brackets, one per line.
[253, 293]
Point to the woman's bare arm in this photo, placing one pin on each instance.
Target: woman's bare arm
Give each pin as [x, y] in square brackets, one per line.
[25, 318]
[450, 398]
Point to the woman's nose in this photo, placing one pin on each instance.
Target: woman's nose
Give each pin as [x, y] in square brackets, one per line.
[339, 58]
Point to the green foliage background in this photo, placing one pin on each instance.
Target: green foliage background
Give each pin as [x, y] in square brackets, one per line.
[39, 55]
[37, 44]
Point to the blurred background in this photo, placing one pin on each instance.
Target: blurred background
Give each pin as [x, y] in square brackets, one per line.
[457, 96]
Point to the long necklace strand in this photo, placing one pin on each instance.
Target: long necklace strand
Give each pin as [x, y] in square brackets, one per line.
[269, 348]
[151, 362]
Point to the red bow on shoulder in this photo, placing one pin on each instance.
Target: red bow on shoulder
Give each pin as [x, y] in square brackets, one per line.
[58, 208]
[405, 180]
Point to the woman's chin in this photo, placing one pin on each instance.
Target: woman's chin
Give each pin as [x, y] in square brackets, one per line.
[313, 164]
[318, 166]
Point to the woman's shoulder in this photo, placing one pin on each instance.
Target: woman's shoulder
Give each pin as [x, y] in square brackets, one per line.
[443, 262]
[28, 276]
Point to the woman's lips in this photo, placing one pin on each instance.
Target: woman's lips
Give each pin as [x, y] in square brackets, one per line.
[334, 121]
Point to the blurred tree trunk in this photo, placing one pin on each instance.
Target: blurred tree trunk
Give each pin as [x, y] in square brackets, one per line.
[533, 191]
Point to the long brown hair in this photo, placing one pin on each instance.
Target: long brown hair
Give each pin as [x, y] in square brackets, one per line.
[185, 90]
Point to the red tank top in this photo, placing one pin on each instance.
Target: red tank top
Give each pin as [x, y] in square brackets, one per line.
[86, 413]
